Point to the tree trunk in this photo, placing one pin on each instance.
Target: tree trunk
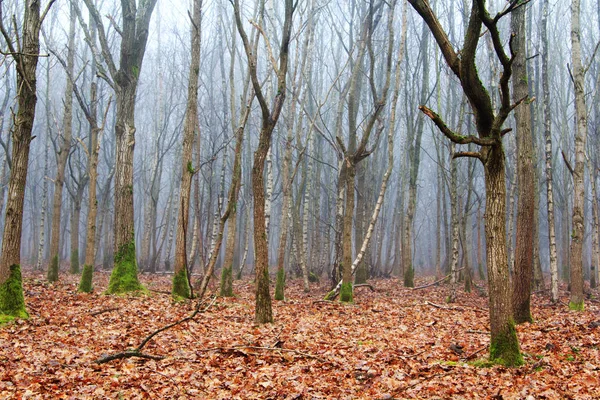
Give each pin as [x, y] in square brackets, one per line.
[134, 36]
[524, 248]
[61, 159]
[12, 302]
[263, 311]
[181, 283]
[577, 236]
[504, 345]
[549, 154]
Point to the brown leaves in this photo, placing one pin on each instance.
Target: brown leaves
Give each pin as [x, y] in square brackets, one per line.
[391, 344]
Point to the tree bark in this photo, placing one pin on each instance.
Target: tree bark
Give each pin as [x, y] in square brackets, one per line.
[181, 283]
[12, 302]
[548, 155]
[64, 147]
[524, 248]
[577, 235]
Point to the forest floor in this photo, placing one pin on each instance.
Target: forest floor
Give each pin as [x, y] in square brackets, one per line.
[392, 343]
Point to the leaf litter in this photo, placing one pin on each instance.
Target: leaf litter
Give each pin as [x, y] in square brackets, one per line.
[394, 343]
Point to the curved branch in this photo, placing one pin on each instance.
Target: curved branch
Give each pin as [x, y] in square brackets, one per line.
[453, 136]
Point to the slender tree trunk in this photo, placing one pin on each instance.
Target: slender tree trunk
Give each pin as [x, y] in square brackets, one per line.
[263, 311]
[549, 155]
[181, 283]
[64, 146]
[577, 236]
[524, 249]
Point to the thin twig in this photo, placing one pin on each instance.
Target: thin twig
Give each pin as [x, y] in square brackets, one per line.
[104, 311]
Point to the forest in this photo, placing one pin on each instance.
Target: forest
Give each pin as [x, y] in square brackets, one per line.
[376, 199]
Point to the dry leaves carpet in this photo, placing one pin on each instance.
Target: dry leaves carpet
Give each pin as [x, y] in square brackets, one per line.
[392, 343]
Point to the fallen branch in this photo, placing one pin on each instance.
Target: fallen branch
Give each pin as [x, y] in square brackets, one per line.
[137, 352]
[436, 282]
[444, 307]
[476, 331]
[104, 311]
[365, 285]
[473, 354]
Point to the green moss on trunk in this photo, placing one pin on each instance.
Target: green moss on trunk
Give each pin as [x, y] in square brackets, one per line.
[346, 293]
[85, 284]
[227, 281]
[52, 274]
[312, 277]
[504, 347]
[409, 277]
[330, 296]
[280, 285]
[75, 262]
[576, 306]
[12, 302]
[181, 285]
[124, 276]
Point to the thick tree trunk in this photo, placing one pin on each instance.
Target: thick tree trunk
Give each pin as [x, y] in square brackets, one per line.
[134, 36]
[12, 302]
[504, 345]
[524, 249]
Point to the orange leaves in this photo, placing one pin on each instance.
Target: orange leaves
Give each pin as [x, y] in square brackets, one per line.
[390, 344]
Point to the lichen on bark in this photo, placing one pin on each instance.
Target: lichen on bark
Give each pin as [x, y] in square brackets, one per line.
[12, 302]
[124, 276]
[85, 284]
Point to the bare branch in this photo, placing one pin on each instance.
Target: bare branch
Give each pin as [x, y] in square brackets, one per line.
[466, 154]
[456, 138]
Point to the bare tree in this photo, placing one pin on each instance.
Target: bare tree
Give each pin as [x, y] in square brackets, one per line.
[263, 311]
[124, 80]
[578, 172]
[504, 346]
[62, 144]
[181, 283]
[24, 48]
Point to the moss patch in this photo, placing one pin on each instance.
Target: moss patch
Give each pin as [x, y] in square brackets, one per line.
[280, 285]
[12, 302]
[85, 284]
[312, 277]
[181, 285]
[123, 278]
[52, 274]
[226, 289]
[504, 347]
[576, 306]
[346, 295]
[74, 262]
[330, 296]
